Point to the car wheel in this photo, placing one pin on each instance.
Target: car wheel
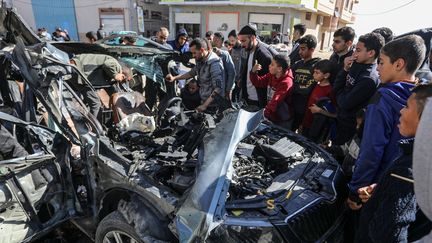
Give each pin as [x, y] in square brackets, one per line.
[114, 229]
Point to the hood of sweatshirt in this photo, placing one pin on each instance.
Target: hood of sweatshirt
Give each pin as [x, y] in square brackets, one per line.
[181, 32]
[396, 95]
[422, 162]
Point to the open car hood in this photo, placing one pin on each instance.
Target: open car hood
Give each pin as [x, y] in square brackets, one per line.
[203, 207]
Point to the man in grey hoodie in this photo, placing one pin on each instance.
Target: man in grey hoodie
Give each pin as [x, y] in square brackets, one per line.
[209, 71]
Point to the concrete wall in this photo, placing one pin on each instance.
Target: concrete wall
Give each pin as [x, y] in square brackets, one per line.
[24, 8]
[326, 6]
[88, 17]
[243, 18]
[152, 24]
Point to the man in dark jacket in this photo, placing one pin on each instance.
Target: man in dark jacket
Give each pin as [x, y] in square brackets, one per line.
[304, 82]
[256, 51]
[299, 31]
[342, 46]
[399, 60]
[390, 213]
[356, 84]
[236, 55]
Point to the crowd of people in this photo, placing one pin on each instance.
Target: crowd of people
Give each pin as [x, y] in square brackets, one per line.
[363, 105]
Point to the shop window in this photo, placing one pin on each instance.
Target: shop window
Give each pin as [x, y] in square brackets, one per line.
[112, 18]
[192, 29]
[156, 15]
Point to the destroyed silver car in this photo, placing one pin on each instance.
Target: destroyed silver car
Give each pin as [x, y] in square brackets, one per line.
[195, 178]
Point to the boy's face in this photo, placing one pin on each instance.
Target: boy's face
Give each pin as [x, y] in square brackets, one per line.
[386, 69]
[361, 54]
[305, 52]
[274, 68]
[409, 118]
[319, 76]
[192, 87]
[182, 40]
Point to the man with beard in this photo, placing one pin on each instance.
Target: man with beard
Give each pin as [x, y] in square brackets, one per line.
[236, 55]
[256, 51]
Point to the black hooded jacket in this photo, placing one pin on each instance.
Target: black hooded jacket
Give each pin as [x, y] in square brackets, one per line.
[353, 90]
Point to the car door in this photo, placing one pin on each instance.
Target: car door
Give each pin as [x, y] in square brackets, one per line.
[36, 191]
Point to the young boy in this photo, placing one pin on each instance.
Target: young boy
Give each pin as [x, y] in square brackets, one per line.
[391, 204]
[356, 84]
[399, 60]
[323, 73]
[190, 95]
[280, 80]
[303, 78]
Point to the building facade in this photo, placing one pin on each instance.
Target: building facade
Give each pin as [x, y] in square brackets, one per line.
[80, 16]
[322, 17]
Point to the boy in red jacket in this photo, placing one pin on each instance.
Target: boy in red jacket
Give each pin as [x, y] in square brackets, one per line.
[323, 75]
[280, 80]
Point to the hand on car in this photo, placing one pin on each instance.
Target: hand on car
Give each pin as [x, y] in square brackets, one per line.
[257, 67]
[201, 108]
[119, 77]
[366, 192]
[170, 78]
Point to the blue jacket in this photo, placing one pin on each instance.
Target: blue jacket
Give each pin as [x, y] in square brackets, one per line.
[182, 49]
[379, 145]
[229, 69]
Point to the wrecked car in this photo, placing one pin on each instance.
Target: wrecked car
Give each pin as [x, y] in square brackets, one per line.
[194, 178]
[147, 57]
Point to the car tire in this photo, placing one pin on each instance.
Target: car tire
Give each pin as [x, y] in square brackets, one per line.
[114, 225]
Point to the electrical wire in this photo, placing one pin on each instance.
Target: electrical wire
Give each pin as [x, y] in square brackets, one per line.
[387, 11]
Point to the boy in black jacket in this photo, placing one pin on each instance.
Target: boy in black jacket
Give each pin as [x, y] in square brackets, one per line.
[391, 204]
[356, 84]
[304, 82]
